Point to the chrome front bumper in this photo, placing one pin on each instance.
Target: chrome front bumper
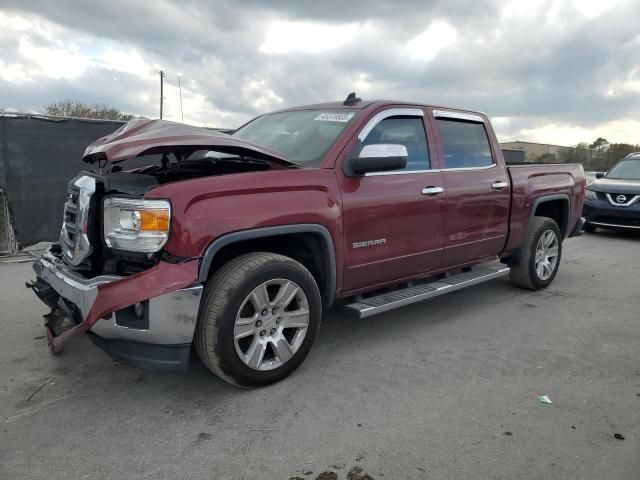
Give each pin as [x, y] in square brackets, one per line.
[171, 317]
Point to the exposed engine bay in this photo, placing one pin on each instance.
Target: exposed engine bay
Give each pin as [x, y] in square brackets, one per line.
[106, 251]
[175, 168]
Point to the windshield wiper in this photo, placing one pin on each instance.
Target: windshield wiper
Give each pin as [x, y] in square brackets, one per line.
[241, 159]
[236, 160]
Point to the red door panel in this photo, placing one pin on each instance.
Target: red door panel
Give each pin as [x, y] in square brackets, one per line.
[403, 226]
[391, 229]
[476, 223]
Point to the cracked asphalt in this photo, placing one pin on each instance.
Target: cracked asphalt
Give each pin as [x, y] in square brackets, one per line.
[443, 389]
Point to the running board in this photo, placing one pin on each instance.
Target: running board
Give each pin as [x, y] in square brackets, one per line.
[399, 298]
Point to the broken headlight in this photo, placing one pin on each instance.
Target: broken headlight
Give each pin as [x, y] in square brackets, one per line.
[136, 225]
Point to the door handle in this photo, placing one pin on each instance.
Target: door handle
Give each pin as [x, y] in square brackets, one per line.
[499, 185]
[432, 190]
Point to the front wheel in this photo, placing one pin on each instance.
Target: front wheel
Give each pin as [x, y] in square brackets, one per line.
[539, 258]
[259, 318]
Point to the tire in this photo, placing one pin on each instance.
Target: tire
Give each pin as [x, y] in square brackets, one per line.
[524, 271]
[589, 228]
[229, 310]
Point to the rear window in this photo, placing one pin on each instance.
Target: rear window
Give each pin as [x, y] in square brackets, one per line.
[465, 144]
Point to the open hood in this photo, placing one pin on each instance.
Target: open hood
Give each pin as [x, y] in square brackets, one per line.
[147, 137]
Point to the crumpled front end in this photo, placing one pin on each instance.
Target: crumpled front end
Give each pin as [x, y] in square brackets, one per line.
[113, 273]
[147, 319]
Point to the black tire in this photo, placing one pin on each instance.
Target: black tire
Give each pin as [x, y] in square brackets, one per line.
[223, 297]
[589, 228]
[523, 270]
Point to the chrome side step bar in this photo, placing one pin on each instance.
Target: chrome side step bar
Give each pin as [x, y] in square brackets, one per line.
[384, 302]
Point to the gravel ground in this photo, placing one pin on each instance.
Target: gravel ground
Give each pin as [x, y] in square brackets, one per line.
[443, 389]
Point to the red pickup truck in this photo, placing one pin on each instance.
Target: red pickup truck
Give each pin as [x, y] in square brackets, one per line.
[235, 244]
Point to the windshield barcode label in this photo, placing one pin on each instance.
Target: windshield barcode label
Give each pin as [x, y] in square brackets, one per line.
[334, 117]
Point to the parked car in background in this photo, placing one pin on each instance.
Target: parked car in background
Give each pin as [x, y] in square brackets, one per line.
[612, 201]
[235, 244]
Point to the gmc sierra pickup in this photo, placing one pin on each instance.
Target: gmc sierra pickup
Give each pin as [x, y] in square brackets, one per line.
[235, 244]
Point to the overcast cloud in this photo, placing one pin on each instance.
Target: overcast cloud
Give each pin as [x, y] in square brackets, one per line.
[548, 71]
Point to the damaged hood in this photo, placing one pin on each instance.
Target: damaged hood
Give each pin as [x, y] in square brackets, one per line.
[147, 137]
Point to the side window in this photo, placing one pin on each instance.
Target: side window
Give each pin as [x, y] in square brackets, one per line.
[466, 144]
[407, 131]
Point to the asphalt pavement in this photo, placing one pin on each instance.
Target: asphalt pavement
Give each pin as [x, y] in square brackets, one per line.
[443, 389]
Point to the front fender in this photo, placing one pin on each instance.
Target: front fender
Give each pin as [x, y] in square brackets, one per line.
[256, 233]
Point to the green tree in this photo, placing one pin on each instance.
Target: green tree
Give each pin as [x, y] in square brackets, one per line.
[578, 154]
[600, 144]
[598, 156]
[599, 148]
[74, 108]
[615, 152]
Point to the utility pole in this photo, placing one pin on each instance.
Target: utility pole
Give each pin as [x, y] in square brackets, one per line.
[161, 91]
[180, 90]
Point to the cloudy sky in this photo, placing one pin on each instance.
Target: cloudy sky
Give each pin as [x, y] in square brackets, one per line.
[558, 71]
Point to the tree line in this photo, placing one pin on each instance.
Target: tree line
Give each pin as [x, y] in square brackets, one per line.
[76, 109]
[597, 156]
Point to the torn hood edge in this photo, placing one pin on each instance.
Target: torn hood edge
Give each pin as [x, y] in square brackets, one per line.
[147, 137]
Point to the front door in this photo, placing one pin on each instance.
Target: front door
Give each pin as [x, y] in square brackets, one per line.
[393, 221]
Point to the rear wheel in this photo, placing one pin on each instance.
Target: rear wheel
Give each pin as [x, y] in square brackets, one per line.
[259, 318]
[539, 258]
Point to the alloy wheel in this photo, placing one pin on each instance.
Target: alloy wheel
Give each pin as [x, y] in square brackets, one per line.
[547, 254]
[271, 324]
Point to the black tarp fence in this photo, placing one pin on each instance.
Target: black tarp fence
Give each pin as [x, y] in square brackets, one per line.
[38, 157]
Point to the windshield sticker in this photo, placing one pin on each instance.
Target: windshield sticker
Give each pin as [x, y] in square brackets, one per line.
[334, 117]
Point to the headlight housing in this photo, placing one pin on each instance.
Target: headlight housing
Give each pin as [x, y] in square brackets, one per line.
[591, 195]
[136, 225]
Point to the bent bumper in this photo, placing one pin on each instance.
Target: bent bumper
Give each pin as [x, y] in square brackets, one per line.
[168, 358]
[158, 334]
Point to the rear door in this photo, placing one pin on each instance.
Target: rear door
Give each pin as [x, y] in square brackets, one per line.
[392, 225]
[478, 190]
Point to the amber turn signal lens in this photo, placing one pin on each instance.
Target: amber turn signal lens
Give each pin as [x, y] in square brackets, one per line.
[154, 220]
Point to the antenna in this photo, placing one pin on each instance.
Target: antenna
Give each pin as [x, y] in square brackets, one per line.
[162, 75]
[352, 99]
[180, 90]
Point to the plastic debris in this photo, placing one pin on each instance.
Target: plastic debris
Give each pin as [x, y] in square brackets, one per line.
[544, 399]
[619, 436]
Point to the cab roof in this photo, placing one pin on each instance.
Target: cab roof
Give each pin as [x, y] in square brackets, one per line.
[370, 105]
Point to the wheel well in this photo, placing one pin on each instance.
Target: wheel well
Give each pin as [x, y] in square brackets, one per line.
[557, 210]
[307, 248]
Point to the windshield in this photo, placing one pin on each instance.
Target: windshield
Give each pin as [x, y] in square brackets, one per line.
[303, 136]
[626, 170]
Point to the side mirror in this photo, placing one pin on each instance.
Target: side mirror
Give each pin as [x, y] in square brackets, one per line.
[600, 174]
[378, 157]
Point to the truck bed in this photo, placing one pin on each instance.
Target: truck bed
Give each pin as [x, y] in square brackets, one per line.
[531, 181]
